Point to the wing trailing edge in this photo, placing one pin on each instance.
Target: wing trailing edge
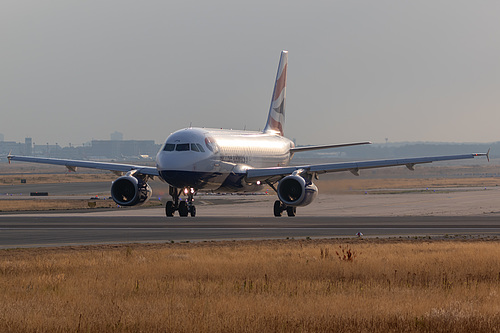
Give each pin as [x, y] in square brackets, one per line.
[273, 174]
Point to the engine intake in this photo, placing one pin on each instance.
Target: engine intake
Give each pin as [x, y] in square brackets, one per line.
[130, 191]
[295, 191]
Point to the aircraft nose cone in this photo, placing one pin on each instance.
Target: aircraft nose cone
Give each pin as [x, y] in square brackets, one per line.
[181, 161]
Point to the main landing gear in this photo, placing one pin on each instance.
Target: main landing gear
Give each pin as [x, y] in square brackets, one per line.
[185, 207]
[279, 207]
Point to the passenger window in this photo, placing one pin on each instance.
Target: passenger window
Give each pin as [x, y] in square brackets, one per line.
[182, 147]
[194, 147]
[200, 147]
[169, 147]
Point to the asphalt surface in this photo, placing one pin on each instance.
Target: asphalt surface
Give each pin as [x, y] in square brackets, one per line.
[437, 213]
[77, 229]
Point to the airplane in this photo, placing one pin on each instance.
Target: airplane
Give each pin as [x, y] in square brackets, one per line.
[204, 159]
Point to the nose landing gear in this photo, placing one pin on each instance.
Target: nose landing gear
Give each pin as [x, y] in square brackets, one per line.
[184, 207]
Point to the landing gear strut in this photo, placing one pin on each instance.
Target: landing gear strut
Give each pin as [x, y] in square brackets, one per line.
[279, 207]
[185, 207]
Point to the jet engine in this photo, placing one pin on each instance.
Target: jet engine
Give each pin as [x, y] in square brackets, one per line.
[130, 191]
[296, 191]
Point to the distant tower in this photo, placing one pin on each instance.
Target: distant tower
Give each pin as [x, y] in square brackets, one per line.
[116, 136]
[1, 137]
[28, 146]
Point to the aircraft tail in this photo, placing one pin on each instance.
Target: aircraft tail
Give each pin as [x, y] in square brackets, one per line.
[276, 118]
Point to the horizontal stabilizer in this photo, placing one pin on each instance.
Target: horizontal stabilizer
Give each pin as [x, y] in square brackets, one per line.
[338, 145]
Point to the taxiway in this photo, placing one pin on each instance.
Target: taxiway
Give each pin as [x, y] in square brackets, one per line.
[465, 212]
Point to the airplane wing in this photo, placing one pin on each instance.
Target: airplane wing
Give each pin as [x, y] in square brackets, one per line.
[73, 164]
[338, 145]
[274, 174]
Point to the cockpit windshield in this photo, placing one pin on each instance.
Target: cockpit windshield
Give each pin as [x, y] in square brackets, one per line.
[200, 148]
[184, 147]
[169, 147]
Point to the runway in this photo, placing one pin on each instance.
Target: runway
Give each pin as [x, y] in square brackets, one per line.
[463, 213]
[20, 231]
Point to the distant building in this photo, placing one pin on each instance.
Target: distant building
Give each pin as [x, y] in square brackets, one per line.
[123, 148]
[7, 147]
[28, 146]
[47, 150]
[105, 149]
[116, 136]
[1, 137]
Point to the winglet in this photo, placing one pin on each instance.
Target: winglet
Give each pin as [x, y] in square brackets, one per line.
[487, 154]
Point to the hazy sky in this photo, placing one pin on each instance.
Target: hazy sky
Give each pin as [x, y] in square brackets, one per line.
[72, 71]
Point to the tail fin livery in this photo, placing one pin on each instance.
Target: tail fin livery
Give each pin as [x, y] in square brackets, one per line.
[276, 118]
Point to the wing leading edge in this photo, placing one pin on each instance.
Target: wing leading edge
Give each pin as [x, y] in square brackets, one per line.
[73, 164]
[274, 174]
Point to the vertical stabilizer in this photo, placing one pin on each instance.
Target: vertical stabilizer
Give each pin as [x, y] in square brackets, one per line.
[276, 118]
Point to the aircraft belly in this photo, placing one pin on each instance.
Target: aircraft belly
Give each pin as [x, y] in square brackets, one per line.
[236, 182]
[198, 180]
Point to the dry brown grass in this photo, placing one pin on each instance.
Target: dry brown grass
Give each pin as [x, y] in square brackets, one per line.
[268, 286]
[59, 178]
[13, 205]
[363, 184]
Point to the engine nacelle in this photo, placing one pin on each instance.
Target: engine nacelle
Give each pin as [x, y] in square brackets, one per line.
[295, 191]
[130, 191]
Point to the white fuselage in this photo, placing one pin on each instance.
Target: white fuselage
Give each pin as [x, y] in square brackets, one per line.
[216, 159]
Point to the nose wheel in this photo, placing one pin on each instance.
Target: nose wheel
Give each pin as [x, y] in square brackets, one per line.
[184, 207]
